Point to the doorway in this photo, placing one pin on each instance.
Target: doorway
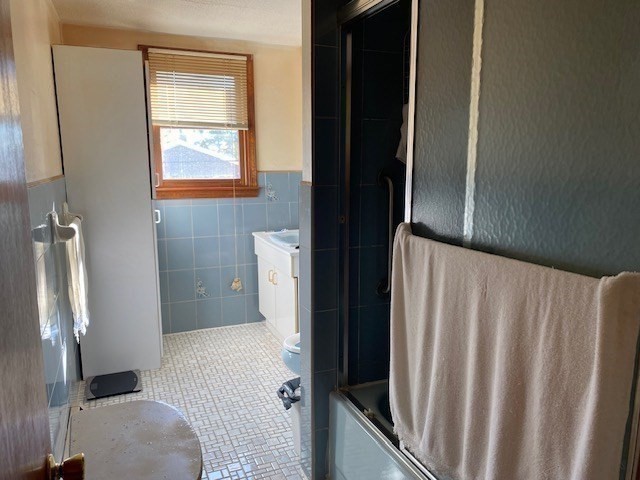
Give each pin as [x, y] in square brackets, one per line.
[376, 66]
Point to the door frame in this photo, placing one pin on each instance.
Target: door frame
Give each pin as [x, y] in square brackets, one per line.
[354, 11]
[24, 427]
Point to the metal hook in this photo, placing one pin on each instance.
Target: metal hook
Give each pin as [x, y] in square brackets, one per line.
[60, 233]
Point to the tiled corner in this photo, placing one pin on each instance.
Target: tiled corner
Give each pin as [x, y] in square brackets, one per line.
[203, 244]
[183, 316]
[251, 304]
[323, 384]
[321, 449]
[305, 285]
[165, 311]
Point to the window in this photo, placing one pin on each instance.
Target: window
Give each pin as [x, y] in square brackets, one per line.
[202, 123]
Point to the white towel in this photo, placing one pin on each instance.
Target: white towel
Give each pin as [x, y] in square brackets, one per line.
[401, 152]
[506, 370]
[77, 278]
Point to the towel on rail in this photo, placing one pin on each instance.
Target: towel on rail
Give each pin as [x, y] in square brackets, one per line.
[511, 371]
[77, 278]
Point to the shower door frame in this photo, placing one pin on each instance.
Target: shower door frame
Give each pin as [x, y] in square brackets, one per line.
[355, 11]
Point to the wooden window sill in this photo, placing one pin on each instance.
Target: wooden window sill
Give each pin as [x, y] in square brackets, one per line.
[216, 192]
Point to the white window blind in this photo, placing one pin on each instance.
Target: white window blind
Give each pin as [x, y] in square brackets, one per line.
[198, 90]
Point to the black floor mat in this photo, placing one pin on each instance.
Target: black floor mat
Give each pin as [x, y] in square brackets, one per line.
[113, 384]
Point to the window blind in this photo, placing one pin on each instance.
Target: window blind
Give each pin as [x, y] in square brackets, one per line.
[198, 90]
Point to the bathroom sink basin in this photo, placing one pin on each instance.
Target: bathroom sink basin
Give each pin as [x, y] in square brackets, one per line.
[286, 238]
[279, 249]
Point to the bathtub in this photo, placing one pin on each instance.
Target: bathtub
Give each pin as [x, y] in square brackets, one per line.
[359, 450]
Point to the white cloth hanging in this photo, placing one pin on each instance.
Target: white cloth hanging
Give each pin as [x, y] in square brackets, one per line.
[401, 153]
[77, 279]
[502, 369]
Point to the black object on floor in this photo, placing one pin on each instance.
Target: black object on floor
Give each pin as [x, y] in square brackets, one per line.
[287, 392]
[113, 384]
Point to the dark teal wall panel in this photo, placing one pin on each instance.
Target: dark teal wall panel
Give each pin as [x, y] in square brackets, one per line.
[558, 166]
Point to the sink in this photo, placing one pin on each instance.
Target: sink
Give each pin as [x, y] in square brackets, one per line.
[280, 249]
[286, 238]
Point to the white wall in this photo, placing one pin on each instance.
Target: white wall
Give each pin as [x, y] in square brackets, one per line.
[277, 89]
[35, 27]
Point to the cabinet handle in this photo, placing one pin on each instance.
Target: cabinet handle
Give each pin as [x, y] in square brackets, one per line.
[270, 276]
[274, 278]
[158, 217]
[157, 179]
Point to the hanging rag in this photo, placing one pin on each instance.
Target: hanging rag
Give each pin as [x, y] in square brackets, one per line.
[401, 153]
[287, 392]
[502, 369]
[77, 279]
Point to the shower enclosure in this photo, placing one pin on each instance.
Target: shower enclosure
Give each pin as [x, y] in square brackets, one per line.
[375, 94]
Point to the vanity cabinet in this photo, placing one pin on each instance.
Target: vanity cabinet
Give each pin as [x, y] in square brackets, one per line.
[277, 285]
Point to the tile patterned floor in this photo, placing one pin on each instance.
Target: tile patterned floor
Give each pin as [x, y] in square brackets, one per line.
[224, 380]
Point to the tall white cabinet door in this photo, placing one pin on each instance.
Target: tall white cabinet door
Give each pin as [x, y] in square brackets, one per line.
[103, 126]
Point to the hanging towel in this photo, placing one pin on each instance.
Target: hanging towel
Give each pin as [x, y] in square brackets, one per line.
[503, 370]
[77, 278]
[401, 152]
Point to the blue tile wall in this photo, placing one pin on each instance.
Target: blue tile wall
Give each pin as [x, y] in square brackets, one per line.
[203, 244]
[59, 346]
[307, 334]
[377, 119]
[319, 233]
[376, 124]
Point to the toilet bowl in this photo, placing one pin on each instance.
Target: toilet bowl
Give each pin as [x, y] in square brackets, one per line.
[291, 353]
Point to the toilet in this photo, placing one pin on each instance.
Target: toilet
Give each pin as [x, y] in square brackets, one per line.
[291, 358]
[291, 353]
[141, 439]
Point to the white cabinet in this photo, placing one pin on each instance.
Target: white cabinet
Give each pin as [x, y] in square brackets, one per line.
[277, 285]
[266, 289]
[103, 127]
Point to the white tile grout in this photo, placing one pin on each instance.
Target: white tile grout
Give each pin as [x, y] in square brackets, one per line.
[224, 380]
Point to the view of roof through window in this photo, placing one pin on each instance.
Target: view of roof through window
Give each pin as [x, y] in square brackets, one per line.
[199, 154]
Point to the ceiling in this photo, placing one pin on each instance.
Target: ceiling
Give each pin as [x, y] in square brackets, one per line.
[265, 21]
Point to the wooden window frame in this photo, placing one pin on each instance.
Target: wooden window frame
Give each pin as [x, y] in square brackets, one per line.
[246, 186]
